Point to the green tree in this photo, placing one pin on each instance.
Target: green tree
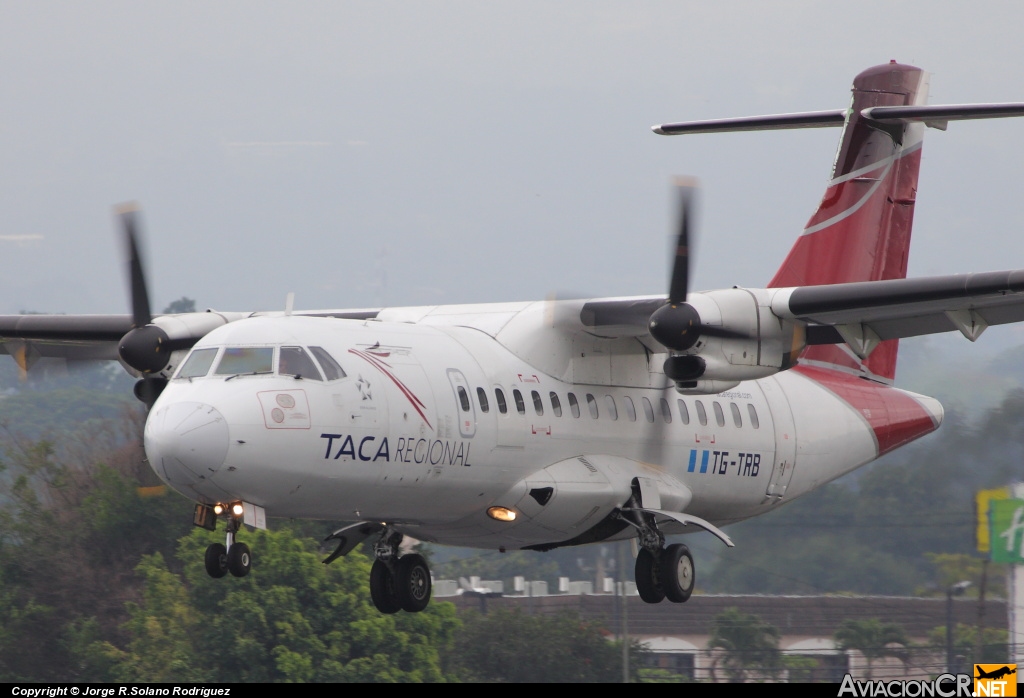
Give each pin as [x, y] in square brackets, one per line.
[965, 637]
[751, 645]
[162, 630]
[513, 647]
[182, 305]
[873, 639]
[296, 619]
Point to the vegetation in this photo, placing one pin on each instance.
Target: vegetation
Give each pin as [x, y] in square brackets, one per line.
[751, 646]
[100, 580]
[873, 638]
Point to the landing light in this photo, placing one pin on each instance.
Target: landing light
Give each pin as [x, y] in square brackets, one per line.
[501, 514]
[237, 509]
[218, 509]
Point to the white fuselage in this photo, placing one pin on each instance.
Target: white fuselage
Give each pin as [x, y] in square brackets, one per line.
[414, 434]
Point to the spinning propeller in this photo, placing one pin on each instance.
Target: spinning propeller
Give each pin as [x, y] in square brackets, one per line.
[146, 347]
[677, 324]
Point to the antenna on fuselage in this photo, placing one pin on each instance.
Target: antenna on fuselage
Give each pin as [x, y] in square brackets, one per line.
[289, 303]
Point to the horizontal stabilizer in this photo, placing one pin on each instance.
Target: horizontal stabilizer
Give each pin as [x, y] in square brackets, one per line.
[936, 115]
[770, 122]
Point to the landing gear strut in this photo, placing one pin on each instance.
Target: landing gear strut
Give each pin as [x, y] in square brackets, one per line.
[231, 556]
[398, 583]
[661, 572]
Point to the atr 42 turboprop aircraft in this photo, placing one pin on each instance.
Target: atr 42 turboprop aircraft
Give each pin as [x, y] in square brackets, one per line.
[546, 424]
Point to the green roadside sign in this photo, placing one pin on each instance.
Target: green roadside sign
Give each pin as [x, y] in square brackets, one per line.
[1006, 518]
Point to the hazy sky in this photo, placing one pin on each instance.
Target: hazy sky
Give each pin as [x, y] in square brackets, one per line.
[397, 153]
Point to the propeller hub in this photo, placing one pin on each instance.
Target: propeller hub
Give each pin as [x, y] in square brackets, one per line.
[676, 326]
[146, 349]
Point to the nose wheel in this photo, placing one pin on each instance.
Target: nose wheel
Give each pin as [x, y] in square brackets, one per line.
[398, 583]
[230, 556]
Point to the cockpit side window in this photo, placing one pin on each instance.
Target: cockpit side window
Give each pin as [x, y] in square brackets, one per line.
[294, 361]
[331, 368]
[198, 363]
[238, 360]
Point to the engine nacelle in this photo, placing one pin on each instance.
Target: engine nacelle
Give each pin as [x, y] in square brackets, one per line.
[756, 342]
[157, 349]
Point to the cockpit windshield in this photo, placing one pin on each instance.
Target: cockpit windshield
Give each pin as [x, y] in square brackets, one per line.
[312, 363]
[237, 360]
[198, 363]
[294, 361]
[327, 362]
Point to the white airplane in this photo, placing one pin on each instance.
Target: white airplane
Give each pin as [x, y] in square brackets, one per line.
[544, 424]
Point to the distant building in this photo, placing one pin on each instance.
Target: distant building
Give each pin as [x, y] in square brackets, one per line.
[677, 634]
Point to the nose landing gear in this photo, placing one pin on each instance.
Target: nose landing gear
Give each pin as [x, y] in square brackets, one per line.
[231, 556]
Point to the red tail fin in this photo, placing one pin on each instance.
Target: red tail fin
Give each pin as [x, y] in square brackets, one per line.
[861, 230]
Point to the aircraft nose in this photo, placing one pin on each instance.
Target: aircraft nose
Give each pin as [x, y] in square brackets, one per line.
[186, 442]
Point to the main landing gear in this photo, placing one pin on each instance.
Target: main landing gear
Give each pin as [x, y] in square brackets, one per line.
[665, 573]
[661, 571]
[398, 583]
[231, 556]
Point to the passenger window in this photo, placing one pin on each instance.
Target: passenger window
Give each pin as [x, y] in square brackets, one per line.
[736, 418]
[702, 415]
[294, 361]
[238, 360]
[754, 422]
[518, 397]
[613, 411]
[648, 409]
[463, 398]
[198, 363]
[574, 406]
[719, 414]
[630, 410]
[538, 404]
[481, 397]
[592, 405]
[684, 414]
[331, 368]
[666, 411]
[500, 397]
[556, 406]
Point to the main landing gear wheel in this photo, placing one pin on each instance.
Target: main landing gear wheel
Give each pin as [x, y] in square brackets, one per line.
[677, 574]
[413, 582]
[648, 577]
[239, 559]
[383, 591]
[216, 560]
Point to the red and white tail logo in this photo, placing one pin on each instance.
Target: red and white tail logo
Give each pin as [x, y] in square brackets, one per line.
[861, 230]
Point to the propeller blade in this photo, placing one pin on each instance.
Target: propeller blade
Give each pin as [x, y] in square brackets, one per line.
[686, 195]
[141, 315]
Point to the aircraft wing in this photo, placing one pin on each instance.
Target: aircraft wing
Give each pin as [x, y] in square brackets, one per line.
[77, 337]
[97, 337]
[834, 313]
[906, 307]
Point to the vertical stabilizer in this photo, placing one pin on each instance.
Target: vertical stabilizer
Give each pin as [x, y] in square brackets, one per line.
[861, 230]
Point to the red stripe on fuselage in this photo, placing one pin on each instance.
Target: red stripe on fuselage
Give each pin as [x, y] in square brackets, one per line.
[895, 417]
[384, 368]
